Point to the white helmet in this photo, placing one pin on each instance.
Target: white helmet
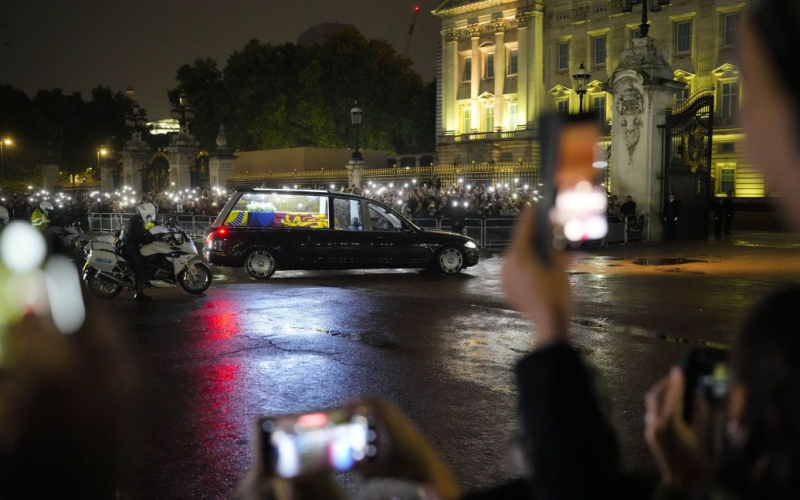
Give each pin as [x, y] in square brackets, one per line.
[147, 211]
[4, 216]
[46, 207]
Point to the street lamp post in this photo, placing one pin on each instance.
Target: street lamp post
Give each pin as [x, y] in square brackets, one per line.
[653, 5]
[6, 141]
[101, 152]
[581, 79]
[355, 120]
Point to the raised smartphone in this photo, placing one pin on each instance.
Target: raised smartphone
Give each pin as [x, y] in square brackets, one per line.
[573, 204]
[337, 440]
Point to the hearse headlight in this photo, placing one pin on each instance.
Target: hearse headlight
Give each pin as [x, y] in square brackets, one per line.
[470, 244]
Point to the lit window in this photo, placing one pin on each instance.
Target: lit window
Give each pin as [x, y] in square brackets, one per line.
[683, 37]
[729, 26]
[467, 120]
[599, 50]
[562, 106]
[563, 56]
[727, 179]
[489, 66]
[563, 16]
[730, 100]
[512, 116]
[636, 34]
[488, 114]
[682, 96]
[513, 61]
[600, 9]
[467, 69]
[599, 109]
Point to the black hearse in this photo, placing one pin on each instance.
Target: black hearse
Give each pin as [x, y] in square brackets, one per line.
[264, 230]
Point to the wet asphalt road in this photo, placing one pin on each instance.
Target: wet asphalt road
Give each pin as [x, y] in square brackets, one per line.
[441, 348]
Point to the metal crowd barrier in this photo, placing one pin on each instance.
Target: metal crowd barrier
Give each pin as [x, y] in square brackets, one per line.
[194, 225]
[489, 233]
[632, 228]
[497, 233]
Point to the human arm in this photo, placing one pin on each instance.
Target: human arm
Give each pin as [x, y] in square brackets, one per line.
[404, 452]
[566, 434]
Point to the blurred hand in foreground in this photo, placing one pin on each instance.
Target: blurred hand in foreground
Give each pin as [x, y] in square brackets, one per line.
[542, 293]
[674, 444]
[403, 452]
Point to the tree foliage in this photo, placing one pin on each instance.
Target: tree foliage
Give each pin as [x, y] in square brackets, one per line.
[281, 96]
[68, 126]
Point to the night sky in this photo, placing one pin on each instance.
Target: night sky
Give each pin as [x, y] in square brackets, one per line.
[77, 44]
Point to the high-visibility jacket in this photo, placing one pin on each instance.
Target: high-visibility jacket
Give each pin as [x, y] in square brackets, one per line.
[39, 219]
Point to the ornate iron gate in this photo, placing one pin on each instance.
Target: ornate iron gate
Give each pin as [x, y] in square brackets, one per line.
[687, 162]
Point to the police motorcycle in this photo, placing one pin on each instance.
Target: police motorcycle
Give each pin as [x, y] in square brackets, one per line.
[72, 241]
[172, 259]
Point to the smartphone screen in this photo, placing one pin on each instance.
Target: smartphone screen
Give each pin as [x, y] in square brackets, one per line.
[573, 204]
[295, 445]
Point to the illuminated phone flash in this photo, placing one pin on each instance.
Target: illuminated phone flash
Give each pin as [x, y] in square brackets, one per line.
[581, 213]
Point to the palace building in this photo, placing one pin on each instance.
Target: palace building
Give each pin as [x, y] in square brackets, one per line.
[502, 63]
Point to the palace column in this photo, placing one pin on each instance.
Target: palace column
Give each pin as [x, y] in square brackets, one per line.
[499, 71]
[523, 18]
[475, 81]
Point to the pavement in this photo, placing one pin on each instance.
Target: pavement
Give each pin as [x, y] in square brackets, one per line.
[441, 348]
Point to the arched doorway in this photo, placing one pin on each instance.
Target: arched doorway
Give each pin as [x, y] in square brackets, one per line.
[155, 175]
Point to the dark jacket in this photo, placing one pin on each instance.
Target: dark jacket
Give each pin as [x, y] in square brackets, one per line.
[568, 441]
[628, 208]
[135, 235]
[672, 209]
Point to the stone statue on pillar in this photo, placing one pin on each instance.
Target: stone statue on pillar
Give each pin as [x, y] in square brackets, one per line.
[643, 86]
[220, 163]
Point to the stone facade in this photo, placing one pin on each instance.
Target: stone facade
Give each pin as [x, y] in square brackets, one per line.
[504, 62]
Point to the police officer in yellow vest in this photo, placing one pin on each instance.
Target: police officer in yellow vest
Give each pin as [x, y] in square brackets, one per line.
[40, 217]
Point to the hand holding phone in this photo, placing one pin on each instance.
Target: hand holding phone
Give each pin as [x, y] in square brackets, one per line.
[299, 445]
[572, 204]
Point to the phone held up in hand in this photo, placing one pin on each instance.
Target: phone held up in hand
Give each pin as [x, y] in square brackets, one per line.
[572, 203]
[708, 383]
[336, 440]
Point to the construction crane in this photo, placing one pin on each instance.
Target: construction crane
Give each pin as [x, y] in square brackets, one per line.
[411, 30]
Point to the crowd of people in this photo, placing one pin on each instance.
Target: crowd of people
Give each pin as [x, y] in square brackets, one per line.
[66, 399]
[433, 200]
[76, 205]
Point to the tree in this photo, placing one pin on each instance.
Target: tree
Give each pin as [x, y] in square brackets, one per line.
[64, 125]
[281, 96]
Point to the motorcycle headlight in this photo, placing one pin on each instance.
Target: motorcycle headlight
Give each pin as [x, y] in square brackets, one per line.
[470, 244]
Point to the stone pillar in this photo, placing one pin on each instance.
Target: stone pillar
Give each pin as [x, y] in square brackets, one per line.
[417, 160]
[108, 169]
[220, 163]
[475, 81]
[355, 172]
[499, 71]
[522, 77]
[450, 80]
[134, 159]
[182, 151]
[643, 87]
[50, 174]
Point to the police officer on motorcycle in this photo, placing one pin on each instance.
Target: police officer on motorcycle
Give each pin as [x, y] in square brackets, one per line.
[134, 236]
[40, 218]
